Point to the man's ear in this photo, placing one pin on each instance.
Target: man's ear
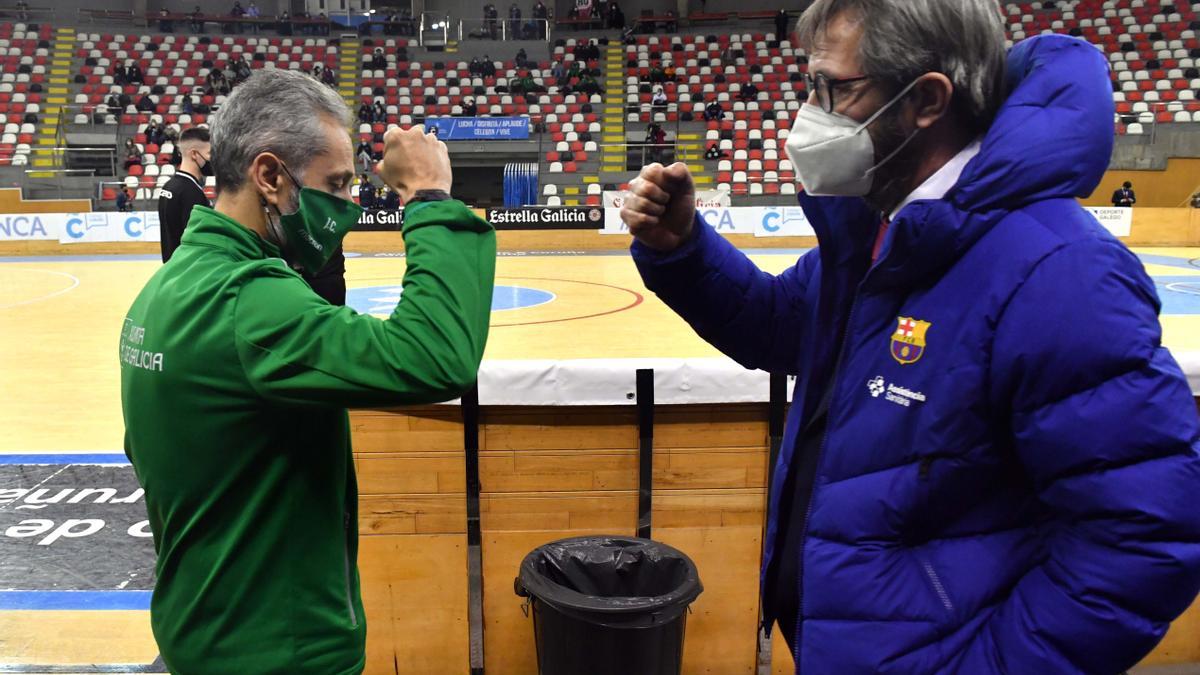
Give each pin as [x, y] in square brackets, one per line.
[266, 177]
[931, 96]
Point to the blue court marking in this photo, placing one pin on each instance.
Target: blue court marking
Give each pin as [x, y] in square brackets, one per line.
[1179, 295]
[105, 458]
[15, 600]
[381, 300]
[1166, 260]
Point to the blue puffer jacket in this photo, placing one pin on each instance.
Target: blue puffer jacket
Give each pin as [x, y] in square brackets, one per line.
[1009, 479]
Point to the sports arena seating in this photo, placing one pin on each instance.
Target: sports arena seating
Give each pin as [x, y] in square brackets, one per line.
[23, 57]
[414, 90]
[1153, 50]
[174, 67]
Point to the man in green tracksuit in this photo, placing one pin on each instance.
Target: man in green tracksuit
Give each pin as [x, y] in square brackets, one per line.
[235, 379]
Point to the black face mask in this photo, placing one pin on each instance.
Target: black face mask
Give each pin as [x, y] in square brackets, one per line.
[207, 169]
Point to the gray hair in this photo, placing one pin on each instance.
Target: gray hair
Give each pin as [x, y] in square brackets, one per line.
[276, 111]
[903, 39]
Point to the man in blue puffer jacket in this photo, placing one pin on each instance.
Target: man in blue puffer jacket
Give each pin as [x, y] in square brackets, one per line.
[990, 463]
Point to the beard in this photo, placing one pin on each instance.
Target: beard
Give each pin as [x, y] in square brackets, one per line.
[892, 181]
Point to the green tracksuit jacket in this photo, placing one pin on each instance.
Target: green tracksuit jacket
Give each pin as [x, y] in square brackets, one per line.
[235, 379]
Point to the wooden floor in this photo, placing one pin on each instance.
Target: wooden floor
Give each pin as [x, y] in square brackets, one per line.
[59, 321]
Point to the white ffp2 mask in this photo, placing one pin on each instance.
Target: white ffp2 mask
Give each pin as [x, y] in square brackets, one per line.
[832, 154]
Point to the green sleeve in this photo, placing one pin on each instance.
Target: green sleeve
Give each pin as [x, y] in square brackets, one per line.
[296, 348]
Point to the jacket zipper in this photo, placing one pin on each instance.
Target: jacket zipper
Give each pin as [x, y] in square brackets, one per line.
[346, 559]
[833, 382]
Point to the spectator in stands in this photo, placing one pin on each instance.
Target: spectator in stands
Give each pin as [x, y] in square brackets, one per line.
[391, 199]
[124, 199]
[155, 133]
[327, 77]
[559, 73]
[658, 100]
[133, 72]
[22, 10]
[164, 21]
[196, 20]
[941, 179]
[365, 113]
[366, 192]
[378, 59]
[145, 104]
[490, 16]
[616, 18]
[524, 84]
[133, 154]
[670, 73]
[185, 190]
[237, 12]
[714, 151]
[120, 75]
[285, 23]
[469, 108]
[240, 69]
[713, 111]
[522, 59]
[379, 112]
[781, 24]
[365, 158]
[540, 17]
[588, 84]
[576, 70]
[216, 82]
[657, 74]
[253, 13]
[514, 22]
[489, 66]
[323, 25]
[113, 103]
[188, 106]
[1123, 196]
[748, 92]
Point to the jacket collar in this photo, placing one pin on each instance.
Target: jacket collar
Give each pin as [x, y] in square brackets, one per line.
[207, 227]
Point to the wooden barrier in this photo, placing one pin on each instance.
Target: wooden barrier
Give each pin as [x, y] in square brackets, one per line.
[549, 473]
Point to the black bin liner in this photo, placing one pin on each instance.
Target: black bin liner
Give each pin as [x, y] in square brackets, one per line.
[607, 605]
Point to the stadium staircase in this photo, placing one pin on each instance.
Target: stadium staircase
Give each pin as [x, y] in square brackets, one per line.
[58, 87]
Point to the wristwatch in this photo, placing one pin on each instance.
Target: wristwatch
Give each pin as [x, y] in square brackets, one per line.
[428, 196]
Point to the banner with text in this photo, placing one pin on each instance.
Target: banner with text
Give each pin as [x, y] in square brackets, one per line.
[72, 228]
[705, 199]
[479, 128]
[1117, 219]
[760, 221]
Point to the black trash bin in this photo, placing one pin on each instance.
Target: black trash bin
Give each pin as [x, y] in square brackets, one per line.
[608, 605]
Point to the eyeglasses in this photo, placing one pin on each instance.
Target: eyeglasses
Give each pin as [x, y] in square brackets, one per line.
[824, 87]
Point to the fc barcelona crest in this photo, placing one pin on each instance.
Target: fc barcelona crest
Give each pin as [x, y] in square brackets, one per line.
[908, 342]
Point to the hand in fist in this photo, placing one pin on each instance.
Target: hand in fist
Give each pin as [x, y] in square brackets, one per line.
[414, 160]
[661, 206]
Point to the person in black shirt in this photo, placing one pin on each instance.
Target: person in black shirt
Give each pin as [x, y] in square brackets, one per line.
[185, 190]
[366, 193]
[391, 199]
[1124, 195]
